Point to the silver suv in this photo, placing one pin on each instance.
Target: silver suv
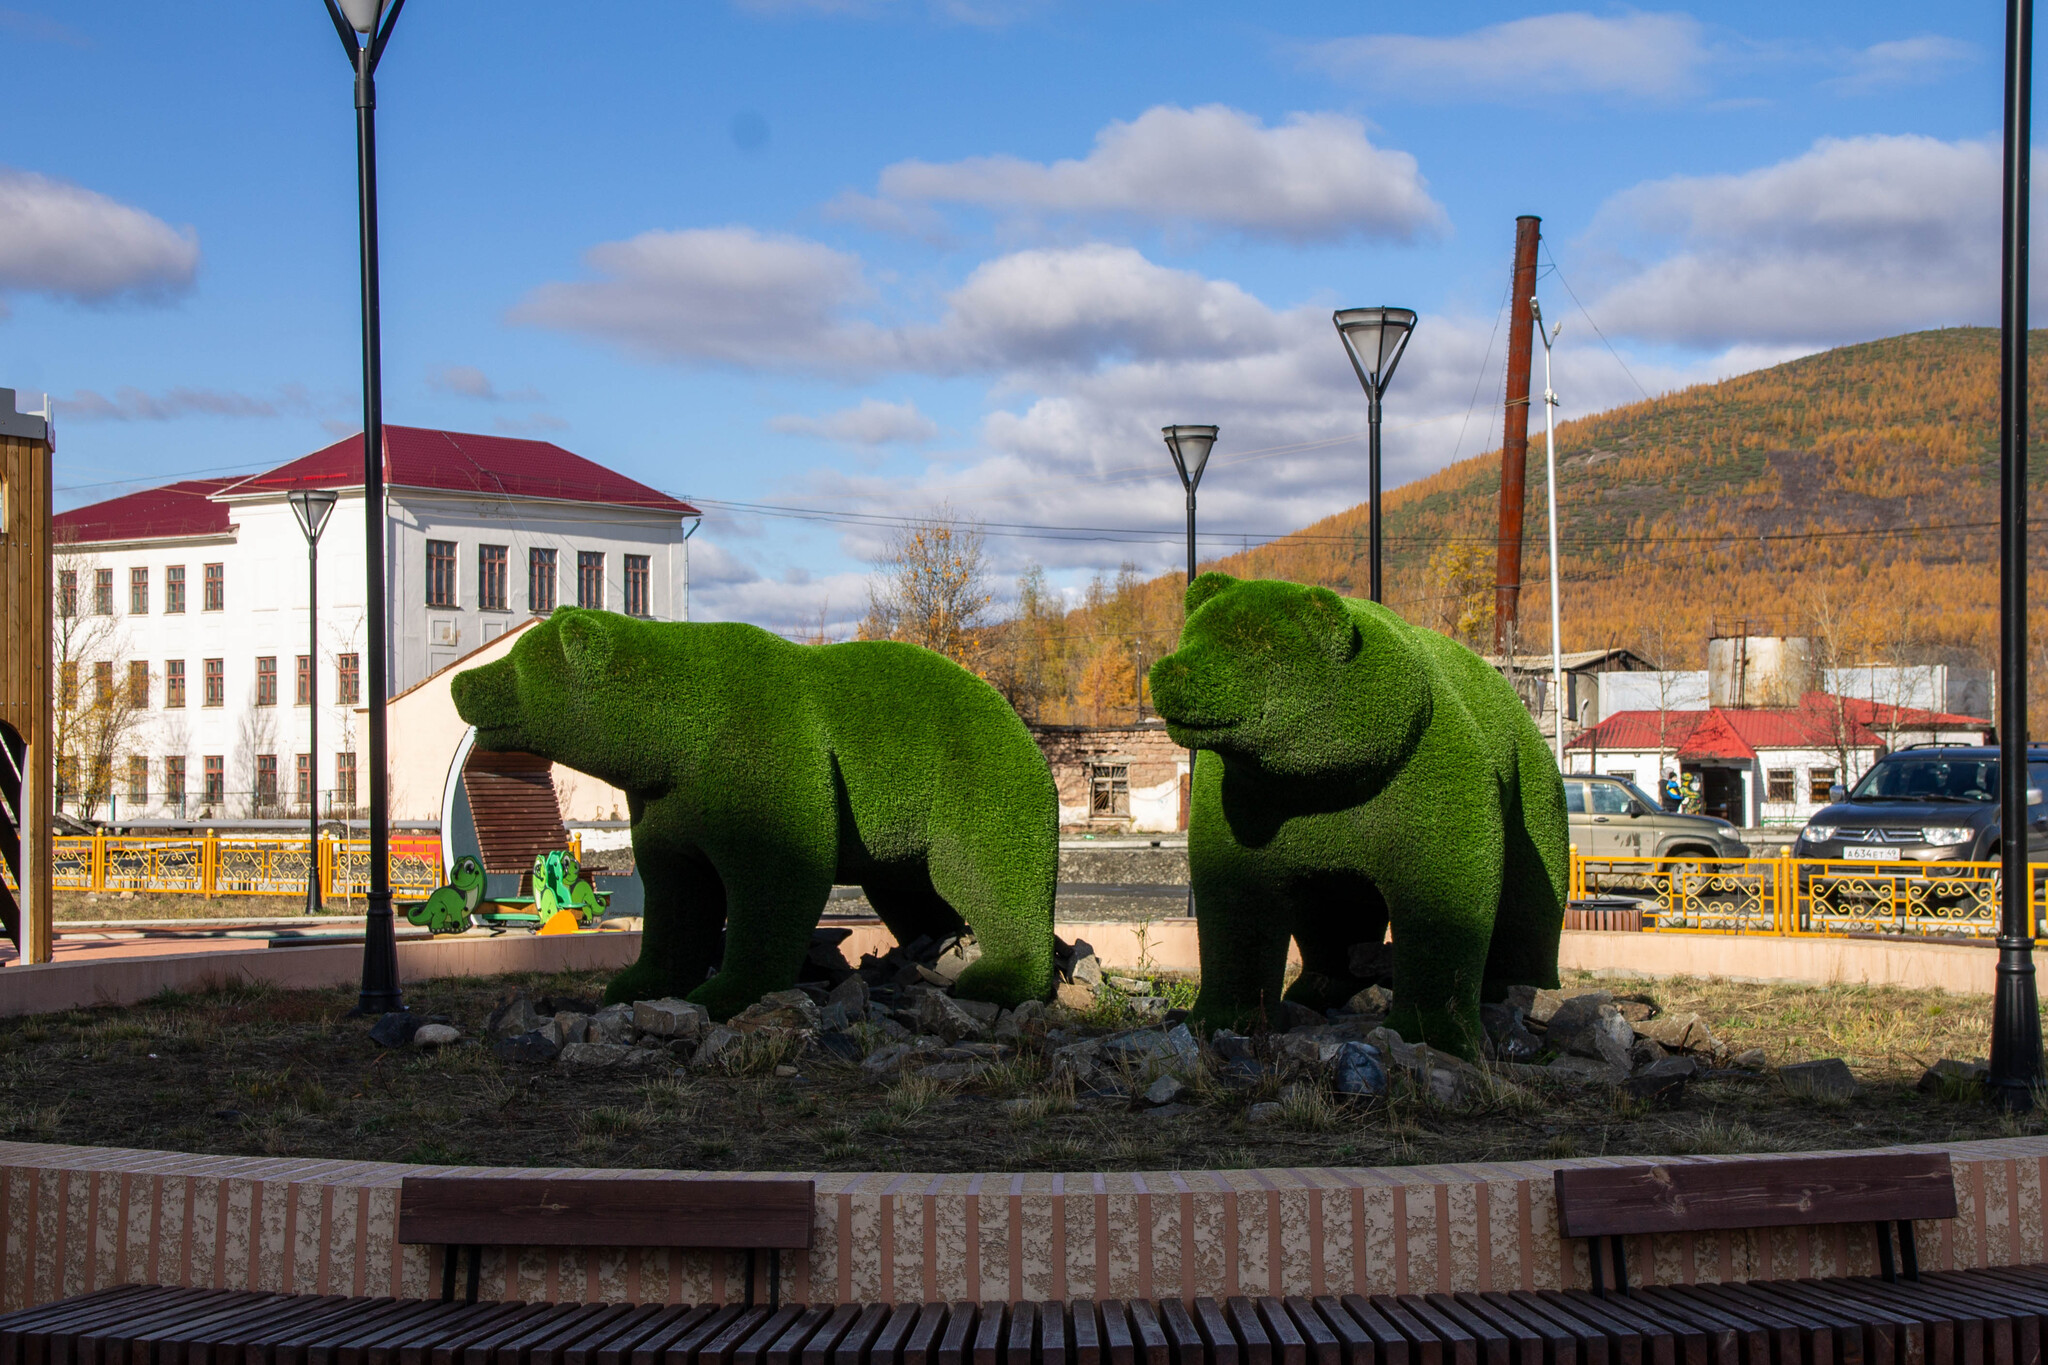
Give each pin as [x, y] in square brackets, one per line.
[1612, 818]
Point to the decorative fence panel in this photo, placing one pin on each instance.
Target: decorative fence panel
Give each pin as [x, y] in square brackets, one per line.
[239, 865]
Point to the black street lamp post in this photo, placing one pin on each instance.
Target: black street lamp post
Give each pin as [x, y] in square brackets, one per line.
[364, 32]
[312, 507]
[1374, 339]
[1190, 447]
[2015, 1009]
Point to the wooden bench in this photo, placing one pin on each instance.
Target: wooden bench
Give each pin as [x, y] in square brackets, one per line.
[473, 1212]
[1880, 1188]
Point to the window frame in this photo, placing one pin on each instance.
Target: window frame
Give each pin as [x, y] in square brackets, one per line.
[305, 793]
[1109, 790]
[266, 680]
[345, 778]
[1781, 786]
[67, 593]
[639, 582]
[493, 577]
[441, 586]
[174, 590]
[214, 780]
[138, 780]
[138, 590]
[542, 565]
[174, 684]
[103, 592]
[348, 679]
[174, 782]
[138, 684]
[588, 561]
[214, 593]
[266, 782]
[216, 675]
[302, 681]
[1818, 780]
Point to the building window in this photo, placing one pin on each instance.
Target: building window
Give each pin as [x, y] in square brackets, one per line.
[266, 780]
[138, 684]
[305, 685]
[1818, 780]
[348, 679]
[174, 589]
[174, 784]
[174, 682]
[590, 579]
[304, 784]
[636, 585]
[1781, 784]
[103, 683]
[216, 790]
[440, 573]
[1627, 775]
[102, 592]
[1109, 790]
[67, 684]
[67, 593]
[216, 588]
[138, 781]
[216, 682]
[540, 581]
[345, 780]
[266, 680]
[138, 592]
[490, 577]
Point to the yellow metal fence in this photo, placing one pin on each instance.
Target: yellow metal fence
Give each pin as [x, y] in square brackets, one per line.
[1806, 896]
[237, 865]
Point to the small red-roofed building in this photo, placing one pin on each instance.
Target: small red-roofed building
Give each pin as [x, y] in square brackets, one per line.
[199, 591]
[1759, 766]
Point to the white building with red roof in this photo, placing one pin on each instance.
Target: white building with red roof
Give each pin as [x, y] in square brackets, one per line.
[1763, 765]
[203, 589]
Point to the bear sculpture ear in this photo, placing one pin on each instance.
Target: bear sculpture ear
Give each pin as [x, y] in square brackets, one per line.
[1333, 626]
[587, 643]
[1206, 587]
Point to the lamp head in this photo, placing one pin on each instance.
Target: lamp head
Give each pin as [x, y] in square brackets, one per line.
[1189, 447]
[361, 14]
[312, 507]
[1374, 339]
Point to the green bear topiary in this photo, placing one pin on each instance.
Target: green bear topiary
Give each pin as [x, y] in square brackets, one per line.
[1356, 769]
[760, 772]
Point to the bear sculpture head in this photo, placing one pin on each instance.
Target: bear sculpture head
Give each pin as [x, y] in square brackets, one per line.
[564, 692]
[1291, 679]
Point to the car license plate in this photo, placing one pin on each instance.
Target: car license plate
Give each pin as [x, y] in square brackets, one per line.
[1871, 855]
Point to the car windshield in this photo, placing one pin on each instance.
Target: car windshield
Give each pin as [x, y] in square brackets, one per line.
[1937, 777]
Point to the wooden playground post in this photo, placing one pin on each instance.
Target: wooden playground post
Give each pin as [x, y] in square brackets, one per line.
[27, 767]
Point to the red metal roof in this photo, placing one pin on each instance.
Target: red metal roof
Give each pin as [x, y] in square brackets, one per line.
[1820, 721]
[462, 462]
[178, 509]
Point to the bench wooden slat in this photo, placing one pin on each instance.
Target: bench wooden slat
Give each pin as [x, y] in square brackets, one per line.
[1601, 1201]
[715, 1214]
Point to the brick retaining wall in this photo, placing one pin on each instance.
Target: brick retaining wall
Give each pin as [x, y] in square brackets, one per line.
[78, 1218]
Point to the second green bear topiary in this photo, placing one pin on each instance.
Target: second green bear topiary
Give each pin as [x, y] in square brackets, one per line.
[760, 772]
[1356, 769]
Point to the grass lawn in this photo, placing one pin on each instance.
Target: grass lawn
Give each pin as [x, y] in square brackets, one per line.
[286, 1073]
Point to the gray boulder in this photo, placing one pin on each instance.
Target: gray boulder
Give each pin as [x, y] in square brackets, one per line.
[1589, 1070]
[851, 995]
[1232, 1046]
[570, 1026]
[777, 1010]
[1356, 1070]
[1087, 971]
[1951, 1078]
[436, 1035]
[1166, 1090]
[614, 1023]
[1678, 1032]
[593, 1056]
[672, 1018]
[395, 1029]
[718, 1040]
[949, 1018]
[512, 1018]
[964, 953]
[1590, 1026]
[1268, 1112]
[535, 1045]
[1294, 1015]
[1166, 1047]
[1827, 1078]
[1545, 1004]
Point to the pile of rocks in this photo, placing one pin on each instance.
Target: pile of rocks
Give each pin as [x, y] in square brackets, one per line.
[1601, 1038]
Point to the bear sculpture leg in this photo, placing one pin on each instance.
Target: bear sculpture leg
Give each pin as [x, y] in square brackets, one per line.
[1334, 912]
[773, 899]
[1009, 900]
[682, 925]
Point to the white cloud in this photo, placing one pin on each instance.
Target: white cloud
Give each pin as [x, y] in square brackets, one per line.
[873, 422]
[1656, 57]
[64, 240]
[467, 381]
[1853, 238]
[729, 295]
[1907, 61]
[1316, 177]
[131, 404]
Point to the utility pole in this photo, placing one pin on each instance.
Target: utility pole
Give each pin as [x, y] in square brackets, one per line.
[1514, 444]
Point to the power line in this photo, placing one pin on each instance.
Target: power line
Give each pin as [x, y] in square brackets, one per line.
[1594, 325]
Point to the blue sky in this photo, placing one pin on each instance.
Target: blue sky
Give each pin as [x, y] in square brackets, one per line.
[866, 258]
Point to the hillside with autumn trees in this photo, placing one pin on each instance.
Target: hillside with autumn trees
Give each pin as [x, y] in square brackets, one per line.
[1849, 495]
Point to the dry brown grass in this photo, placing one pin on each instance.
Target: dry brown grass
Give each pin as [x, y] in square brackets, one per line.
[249, 1071]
